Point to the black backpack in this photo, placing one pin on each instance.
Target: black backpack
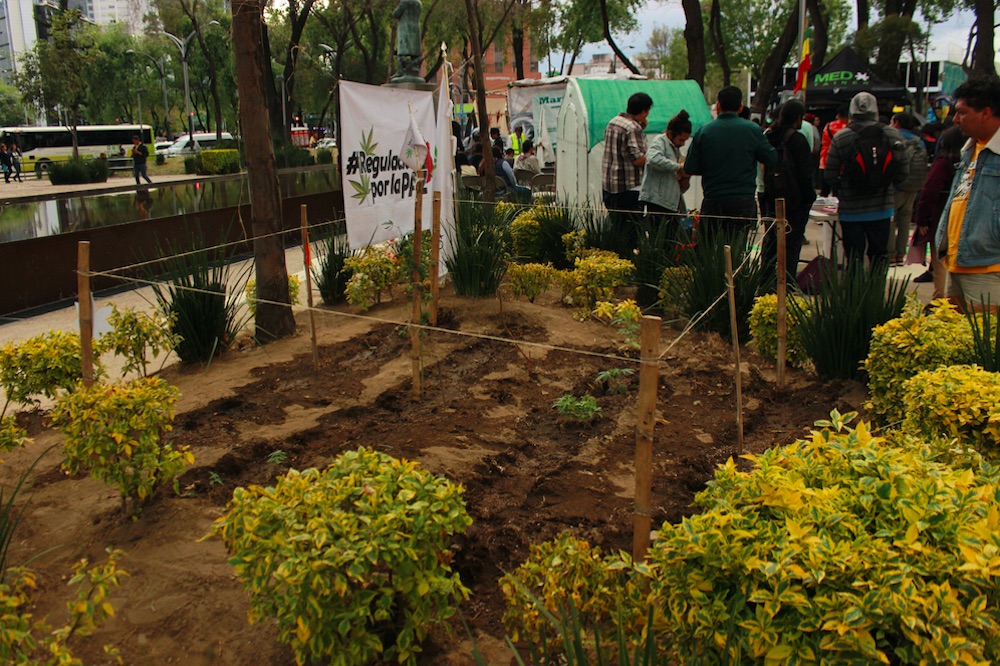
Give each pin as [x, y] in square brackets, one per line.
[870, 167]
[779, 180]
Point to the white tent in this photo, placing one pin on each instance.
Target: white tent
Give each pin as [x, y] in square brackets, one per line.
[587, 107]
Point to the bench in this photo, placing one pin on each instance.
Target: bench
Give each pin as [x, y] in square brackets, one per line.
[120, 163]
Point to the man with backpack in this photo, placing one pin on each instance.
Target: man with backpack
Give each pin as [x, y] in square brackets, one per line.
[968, 236]
[906, 194]
[866, 160]
[789, 179]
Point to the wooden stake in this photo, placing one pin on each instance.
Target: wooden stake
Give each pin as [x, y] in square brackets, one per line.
[415, 353]
[734, 331]
[781, 231]
[435, 258]
[649, 379]
[307, 259]
[86, 312]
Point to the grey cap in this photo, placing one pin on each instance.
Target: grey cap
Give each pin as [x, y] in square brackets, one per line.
[864, 106]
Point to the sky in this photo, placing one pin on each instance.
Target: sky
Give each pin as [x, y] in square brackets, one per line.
[947, 39]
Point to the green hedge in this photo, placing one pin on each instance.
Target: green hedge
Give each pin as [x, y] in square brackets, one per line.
[226, 160]
[75, 172]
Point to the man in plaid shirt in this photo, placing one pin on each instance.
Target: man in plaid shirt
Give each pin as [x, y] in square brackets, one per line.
[624, 158]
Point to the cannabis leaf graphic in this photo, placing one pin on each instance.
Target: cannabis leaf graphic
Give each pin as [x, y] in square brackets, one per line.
[367, 146]
[362, 188]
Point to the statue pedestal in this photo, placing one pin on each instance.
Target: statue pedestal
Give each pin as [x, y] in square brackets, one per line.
[410, 83]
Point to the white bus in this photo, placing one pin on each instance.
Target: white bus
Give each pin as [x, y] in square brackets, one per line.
[40, 146]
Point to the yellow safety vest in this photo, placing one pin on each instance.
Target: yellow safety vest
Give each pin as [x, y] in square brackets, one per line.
[515, 143]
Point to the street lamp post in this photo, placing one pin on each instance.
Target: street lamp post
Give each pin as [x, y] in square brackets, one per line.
[182, 45]
[160, 68]
[138, 99]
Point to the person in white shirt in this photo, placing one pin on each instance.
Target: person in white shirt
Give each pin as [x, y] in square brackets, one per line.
[527, 159]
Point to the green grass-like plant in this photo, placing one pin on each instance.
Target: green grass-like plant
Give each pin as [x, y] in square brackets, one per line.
[351, 562]
[480, 248]
[911, 343]
[202, 296]
[115, 432]
[329, 271]
[985, 326]
[324, 156]
[601, 234]
[836, 330]
[705, 263]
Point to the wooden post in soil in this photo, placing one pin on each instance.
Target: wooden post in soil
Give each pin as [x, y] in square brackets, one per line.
[649, 379]
[734, 332]
[415, 353]
[781, 232]
[307, 259]
[86, 312]
[435, 258]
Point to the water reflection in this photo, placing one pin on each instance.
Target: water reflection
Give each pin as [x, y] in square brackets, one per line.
[35, 219]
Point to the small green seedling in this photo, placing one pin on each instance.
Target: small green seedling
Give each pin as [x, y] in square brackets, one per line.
[277, 457]
[583, 409]
[614, 380]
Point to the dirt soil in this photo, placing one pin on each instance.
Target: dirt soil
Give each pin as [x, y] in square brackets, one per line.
[485, 420]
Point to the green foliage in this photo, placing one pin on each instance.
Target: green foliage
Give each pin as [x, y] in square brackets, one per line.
[601, 234]
[764, 329]
[114, 432]
[160, 159]
[330, 273]
[202, 300]
[77, 171]
[525, 231]
[351, 562]
[292, 156]
[657, 249]
[42, 366]
[25, 641]
[324, 156]
[624, 315]
[985, 337]
[911, 343]
[480, 248]
[706, 265]
[584, 409]
[277, 457]
[554, 222]
[958, 402]
[373, 270]
[836, 331]
[836, 549]
[11, 107]
[132, 334]
[192, 164]
[12, 436]
[568, 583]
[220, 161]
[251, 292]
[529, 280]
[674, 284]
[614, 380]
[595, 278]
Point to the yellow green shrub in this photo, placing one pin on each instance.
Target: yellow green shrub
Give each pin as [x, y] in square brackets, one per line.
[594, 278]
[674, 283]
[115, 431]
[352, 562]
[44, 365]
[568, 576]
[625, 316]
[134, 334]
[525, 231]
[764, 330]
[529, 280]
[902, 347]
[222, 160]
[251, 291]
[26, 641]
[839, 548]
[956, 402]
[373, 271]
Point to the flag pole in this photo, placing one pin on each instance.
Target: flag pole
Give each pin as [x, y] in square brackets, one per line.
[803, 22]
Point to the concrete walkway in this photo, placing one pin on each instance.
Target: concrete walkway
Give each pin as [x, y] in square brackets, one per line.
[33, 188]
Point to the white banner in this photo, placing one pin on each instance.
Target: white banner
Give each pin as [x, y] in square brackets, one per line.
[379, 189]
[444, 166]
[528, 104]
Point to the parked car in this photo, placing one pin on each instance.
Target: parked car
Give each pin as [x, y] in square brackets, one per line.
[161, 146]
[199, 141]
[328, 144]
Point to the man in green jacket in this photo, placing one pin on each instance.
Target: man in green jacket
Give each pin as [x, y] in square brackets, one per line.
[725, 153]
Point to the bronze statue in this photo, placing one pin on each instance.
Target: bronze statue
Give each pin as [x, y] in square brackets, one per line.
[408, 48]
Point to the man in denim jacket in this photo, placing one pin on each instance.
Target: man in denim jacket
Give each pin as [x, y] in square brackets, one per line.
[968, 237]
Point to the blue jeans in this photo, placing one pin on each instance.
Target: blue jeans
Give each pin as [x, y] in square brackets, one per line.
[140, 170]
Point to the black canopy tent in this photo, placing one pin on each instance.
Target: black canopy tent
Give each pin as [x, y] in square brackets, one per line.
[843, 77]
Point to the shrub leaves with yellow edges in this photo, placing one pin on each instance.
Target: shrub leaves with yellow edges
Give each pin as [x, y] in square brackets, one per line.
[956, 402]
[352, 561]
[840, 548]
[764, 330]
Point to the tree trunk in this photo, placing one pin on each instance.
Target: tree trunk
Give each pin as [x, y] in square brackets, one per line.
[821, 33]
[694, 36]
[771, 71]
[718, 42]
[489, 174]
[272, 320]
[983, 55]
[863, 11]
[517, 44]
[611, 42]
